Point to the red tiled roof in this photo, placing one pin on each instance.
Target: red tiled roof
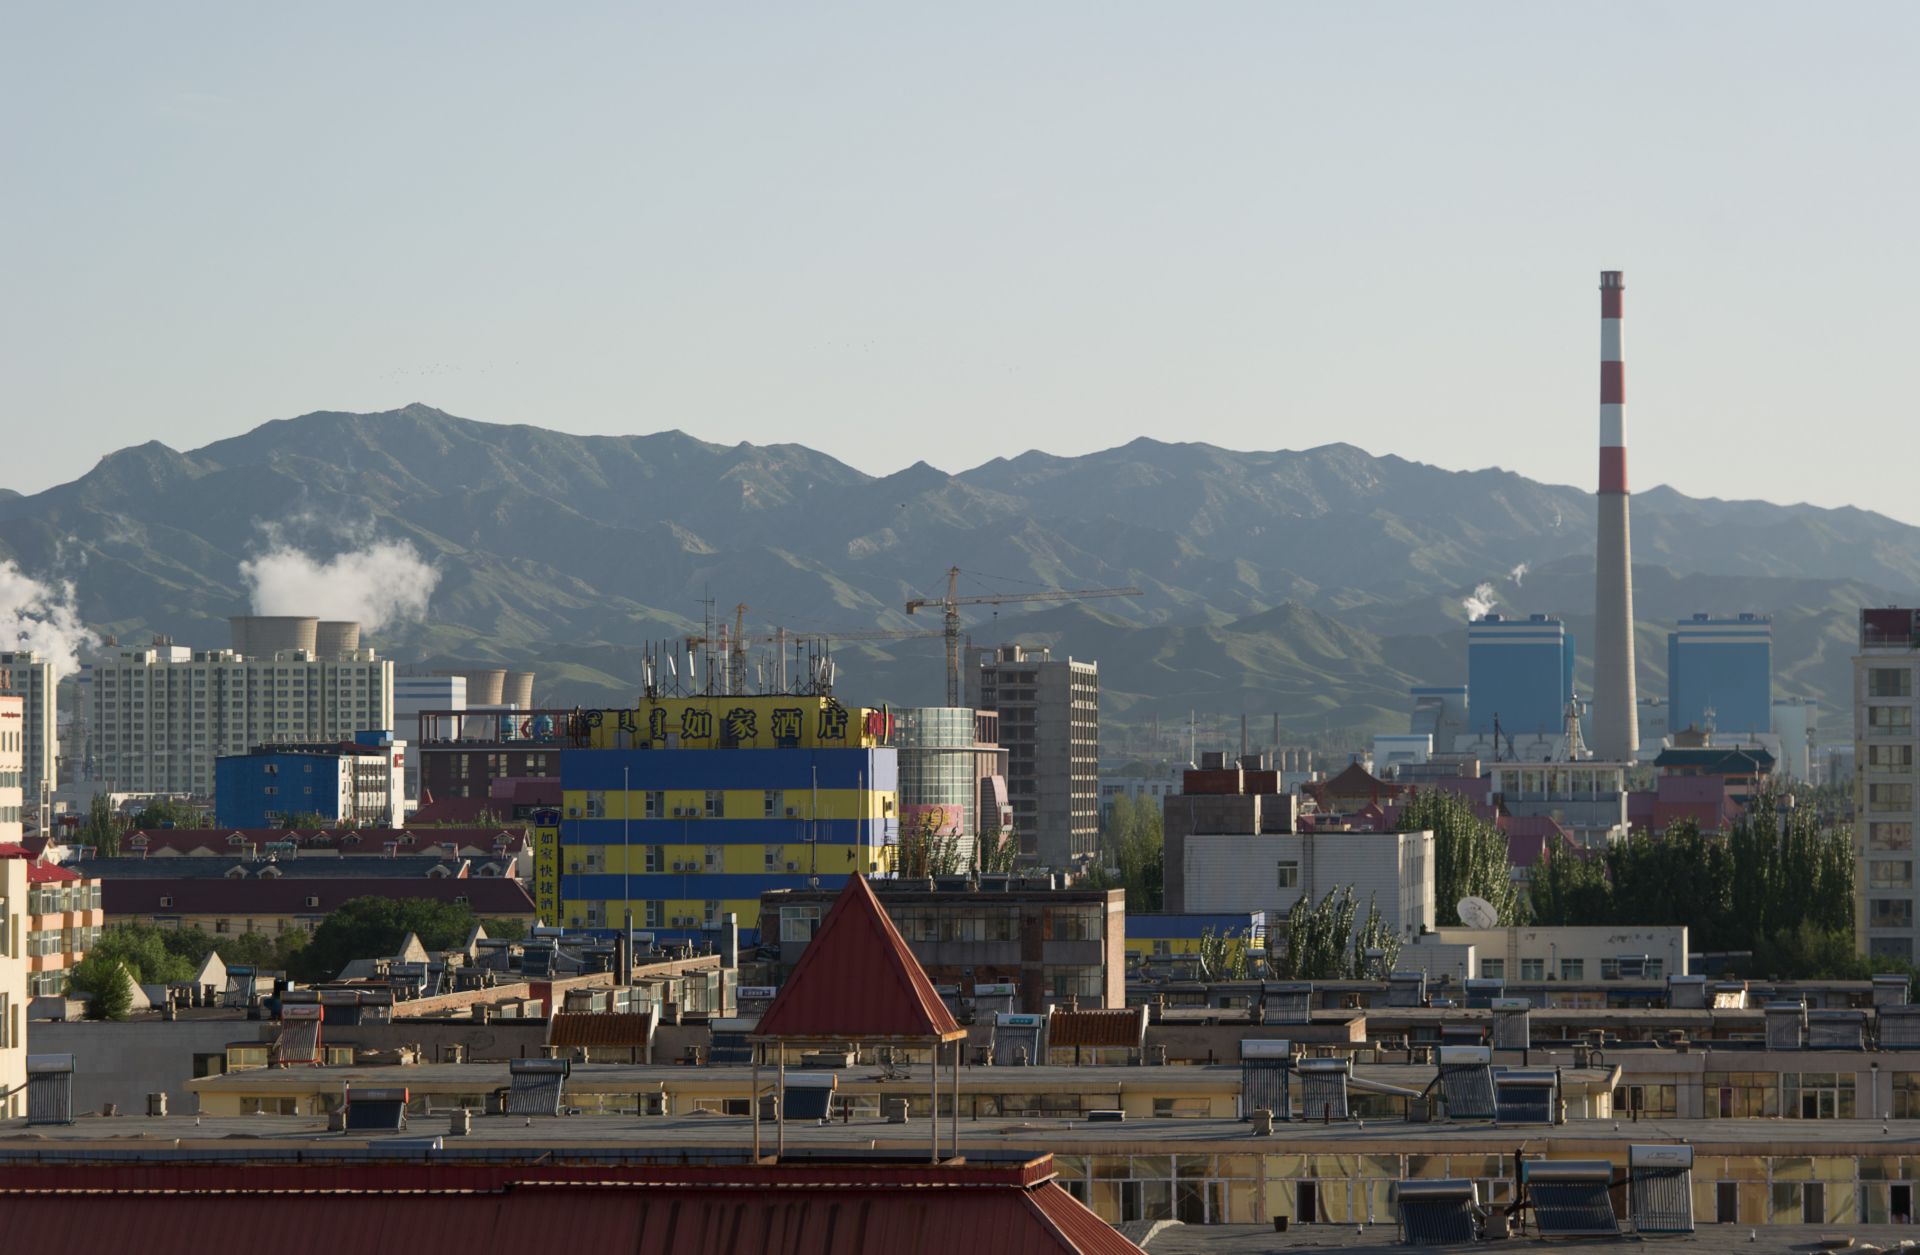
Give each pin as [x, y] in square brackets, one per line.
[323, 1209]
[621, 1029]
[857, 980]
[10, 850]
[1108, 1028]
[487, 895]
[49, 873]
[346, 840]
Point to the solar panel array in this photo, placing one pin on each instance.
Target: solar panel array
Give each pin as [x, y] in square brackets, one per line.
[1437, 1213]
[1323, 1089]
[1660, 1188]
[536, 1086]
[50, 1089]
[1570, 1199]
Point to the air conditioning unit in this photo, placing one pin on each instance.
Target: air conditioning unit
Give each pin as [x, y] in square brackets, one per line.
[573, 867]
[793, 867]
[793, 812]
[573, 812]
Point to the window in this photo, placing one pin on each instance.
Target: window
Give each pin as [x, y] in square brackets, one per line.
[1074, 923]
[1533, 969]
[1889, 760]
[1573, 969]
[1890, 682]
[1889, 913]
[713, 804]
[1648, 1100]
[654, 914]
[799, 923]
[1889, 797]
[771, 803]
[656, 858]
[776, 858]
[1493, 969]
[713, 858]
[654, 801]
[1288, 874]
[1889, 720]
[710, 912]
[1888, 873]
[1816, 1095]
[1894, 836]
[596, 804]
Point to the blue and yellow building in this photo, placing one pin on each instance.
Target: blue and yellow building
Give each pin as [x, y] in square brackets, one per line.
[683, 809]
[1169, 936]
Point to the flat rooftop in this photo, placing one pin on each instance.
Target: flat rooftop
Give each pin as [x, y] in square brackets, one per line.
[1384, 1239]
[703, 1136]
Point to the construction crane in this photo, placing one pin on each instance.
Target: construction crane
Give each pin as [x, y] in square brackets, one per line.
[952, 602]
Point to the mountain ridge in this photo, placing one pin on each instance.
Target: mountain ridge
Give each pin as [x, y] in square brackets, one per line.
[568, 552]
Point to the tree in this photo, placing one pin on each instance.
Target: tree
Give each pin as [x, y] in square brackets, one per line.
[1569, 887]
[1223, 954]
[999, 848]
[368, 928]
[1134, 846]
[142, 950]
[502, 929]
[1470, 856]
[926, 850]
[167, 812]
[1376, 947]
[102, 828]
[296, 820]
[104, 980]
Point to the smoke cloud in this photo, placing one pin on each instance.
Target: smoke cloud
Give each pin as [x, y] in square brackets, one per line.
[41, 617]
[377, 583]
[1480, 601]
[1518, 574]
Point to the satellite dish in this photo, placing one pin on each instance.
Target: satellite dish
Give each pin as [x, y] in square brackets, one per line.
[1477, 913]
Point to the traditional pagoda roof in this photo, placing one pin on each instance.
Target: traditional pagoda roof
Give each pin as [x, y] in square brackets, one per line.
[857, 981]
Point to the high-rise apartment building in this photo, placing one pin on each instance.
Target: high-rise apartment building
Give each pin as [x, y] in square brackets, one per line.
[163, 714]
[13, 739]
[1886, 675]
[1720, 674]
[1050, 725]
[29, 675]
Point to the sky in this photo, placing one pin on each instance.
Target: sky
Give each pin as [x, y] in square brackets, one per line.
[948, 233]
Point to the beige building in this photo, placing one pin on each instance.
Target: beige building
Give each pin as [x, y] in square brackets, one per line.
[1049, 712]
[163, 714]
[1886, 676]
[13, 980]
[25, 673]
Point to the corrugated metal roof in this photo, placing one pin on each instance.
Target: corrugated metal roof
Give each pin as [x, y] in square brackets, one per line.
[858, 980]
[423, 1210]
[1122, 1027]
[625, 1030]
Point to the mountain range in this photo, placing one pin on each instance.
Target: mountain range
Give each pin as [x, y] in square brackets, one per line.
[1317, 585]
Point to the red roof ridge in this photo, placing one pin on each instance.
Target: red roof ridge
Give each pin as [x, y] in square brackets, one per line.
[857, 980]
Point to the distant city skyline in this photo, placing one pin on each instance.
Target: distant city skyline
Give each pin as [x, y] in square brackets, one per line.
[948, 236]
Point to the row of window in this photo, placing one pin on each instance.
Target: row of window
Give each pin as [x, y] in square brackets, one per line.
[1570, 969]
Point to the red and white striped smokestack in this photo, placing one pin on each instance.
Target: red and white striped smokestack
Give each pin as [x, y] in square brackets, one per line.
[1616, 733]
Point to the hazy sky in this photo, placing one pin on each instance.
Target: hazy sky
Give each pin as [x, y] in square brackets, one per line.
[900, 231]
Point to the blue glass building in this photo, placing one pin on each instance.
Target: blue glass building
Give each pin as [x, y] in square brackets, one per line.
[1723, 666]
[1520, 671]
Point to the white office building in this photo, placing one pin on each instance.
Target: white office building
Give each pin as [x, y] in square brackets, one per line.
[29, 675]
[1236, 873]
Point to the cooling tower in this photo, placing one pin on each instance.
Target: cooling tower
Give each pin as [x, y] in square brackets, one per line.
[1616, 715]
[519, 689]
[263, 636]
[336, 637]
[485, 686]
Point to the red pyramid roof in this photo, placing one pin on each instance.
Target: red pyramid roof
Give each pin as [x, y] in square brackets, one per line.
[858, 981]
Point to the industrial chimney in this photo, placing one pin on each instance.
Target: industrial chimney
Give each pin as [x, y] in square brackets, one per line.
[1616, 732]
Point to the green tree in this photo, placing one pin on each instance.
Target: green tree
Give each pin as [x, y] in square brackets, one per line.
[103, 979]
[502, 929]
[142, 949]
[1223, 954]
[102, 828]
[924, 849]
[1470, 856]
[1569, 887]
[999, 848]
[369, 928]
[298, 820]
[1133, 843]
[167, 812]
[1376, 947]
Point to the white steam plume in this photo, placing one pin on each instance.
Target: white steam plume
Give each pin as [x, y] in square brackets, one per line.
[381, 582]
[1481, 601]
[1518, 574]
[41, 617]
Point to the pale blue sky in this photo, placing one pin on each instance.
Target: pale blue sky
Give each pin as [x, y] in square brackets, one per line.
[948, 232]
